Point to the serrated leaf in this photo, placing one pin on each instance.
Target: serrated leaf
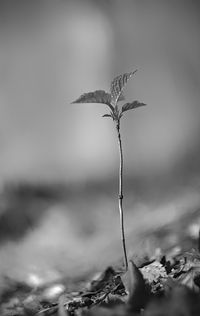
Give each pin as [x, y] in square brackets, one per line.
[132, 105]
[98, 96]
[117, 86]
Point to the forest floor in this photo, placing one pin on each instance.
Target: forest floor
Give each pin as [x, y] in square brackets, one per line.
[161, 281]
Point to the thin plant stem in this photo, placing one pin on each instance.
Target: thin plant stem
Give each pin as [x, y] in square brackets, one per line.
[120, 196]
[199, 241]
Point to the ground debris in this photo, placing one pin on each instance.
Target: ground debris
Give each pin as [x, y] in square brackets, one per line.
[166, 286]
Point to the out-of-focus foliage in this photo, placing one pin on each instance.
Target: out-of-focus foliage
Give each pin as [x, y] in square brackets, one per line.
[50, 51]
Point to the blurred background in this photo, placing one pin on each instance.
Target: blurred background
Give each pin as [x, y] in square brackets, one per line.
[59, 161]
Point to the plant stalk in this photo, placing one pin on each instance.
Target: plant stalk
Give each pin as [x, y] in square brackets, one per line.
[120, 196]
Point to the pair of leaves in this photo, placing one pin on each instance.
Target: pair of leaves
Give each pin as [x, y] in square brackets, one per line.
[111, 99]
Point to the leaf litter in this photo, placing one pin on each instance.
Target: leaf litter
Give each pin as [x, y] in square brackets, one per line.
[165, 284]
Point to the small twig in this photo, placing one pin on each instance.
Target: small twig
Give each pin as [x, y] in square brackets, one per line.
[102, 298]
[44, 310]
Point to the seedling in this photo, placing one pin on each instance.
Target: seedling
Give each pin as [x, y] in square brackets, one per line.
[116, 112]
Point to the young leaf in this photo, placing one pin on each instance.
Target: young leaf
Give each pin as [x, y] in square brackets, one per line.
[98, 96]
[116, 114]
[117, 86]
[121, 97]
[132, 105]
[106, 115]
